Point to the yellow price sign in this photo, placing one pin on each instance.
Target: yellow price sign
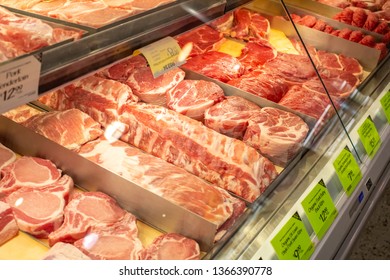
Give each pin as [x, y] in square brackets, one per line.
[161, 55]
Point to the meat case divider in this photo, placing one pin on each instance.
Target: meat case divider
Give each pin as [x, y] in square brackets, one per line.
[147, 206]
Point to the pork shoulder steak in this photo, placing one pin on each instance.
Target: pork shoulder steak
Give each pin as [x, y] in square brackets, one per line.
[7, 156]
[187, 143]
[70, 128]
[27, 172]
[65, 251]
[277, 134]
[8, 226]
[86, 210]
[230, 116]
[166, 180]
[171, 246]
[193, 97]
[40, 211]
[116, 242]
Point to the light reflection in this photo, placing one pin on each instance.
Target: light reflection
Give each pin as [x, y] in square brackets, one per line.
[114, 131]
[185, 52]
[90, 240]
[19, 202]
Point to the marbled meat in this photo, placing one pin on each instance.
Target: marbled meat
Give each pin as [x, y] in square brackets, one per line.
[8, 225]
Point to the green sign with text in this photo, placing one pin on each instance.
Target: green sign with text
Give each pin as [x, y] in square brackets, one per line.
[293, 242]
[370, 137]
[385, 102]
[320, 209]
[348, 170]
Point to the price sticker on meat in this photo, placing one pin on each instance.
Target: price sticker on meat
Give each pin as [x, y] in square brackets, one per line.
[370, 137]
[320, 209]
[348, 170]
[293, 242]
[19, 82]
[162, 55]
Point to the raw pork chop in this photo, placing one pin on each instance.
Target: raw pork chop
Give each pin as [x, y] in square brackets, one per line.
[27, 172]
[166, 180]
[39, 211]
[277, 134]
[171, 246]
[86, 211]
[203, 39]
[70, 128]
[187, 143]
[21, 113]
[7, 156]
[216, 65]
[293, 68]
[263, 84]
[256, 53]
[65, 251]
[116, 242]
[8, 226]
[100, 98]
[230, 116]
[193, 97]
[304, 101]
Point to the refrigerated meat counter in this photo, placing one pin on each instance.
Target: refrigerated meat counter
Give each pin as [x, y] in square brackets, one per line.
[255, 235]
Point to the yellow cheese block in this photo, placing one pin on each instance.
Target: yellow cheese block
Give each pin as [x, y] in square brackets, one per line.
[232, 47]
[22, 247]
[280, 42]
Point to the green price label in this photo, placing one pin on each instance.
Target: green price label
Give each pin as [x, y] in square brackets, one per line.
[385, 101]
[320, 209]
[293, 242]
[347, 170]
[370, 137]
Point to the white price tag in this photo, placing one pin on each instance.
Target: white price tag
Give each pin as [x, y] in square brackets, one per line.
[19, 81]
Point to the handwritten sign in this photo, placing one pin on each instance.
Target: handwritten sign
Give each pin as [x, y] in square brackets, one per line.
[370, 137]
[385, 102]
[293, 242]
[19, 81]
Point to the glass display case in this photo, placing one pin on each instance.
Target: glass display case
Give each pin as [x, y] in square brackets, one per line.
[293, 126]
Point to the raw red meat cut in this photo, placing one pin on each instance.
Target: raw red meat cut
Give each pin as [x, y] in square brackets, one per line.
[383, 49]
[142, 5]
[203, 39]
[100, 98]
[8, 226]
[44, 7]
[21, 113]
[7, 156]
[166, 180]
[328, 29]
[308, 20]
[248, 24]
[27, 172]
[304, 101]
[382, 28]
[122, 70]
[263, 84]
[221, 160]
[277, 134]
[171, 246]
[86, 211]
[153, 90]
[359, 17]
[368, 41]
[345, 33]
[216, 65]
[256, 53]
[224, 23]
[119, 241]
[356, 36]
[345, 16]
[193, 97]
[230, 116]
[39, 211]
[65, 251]
[338, 84]
[320, 25]
[292, 68]
[351, 65]
[70, 128]
[329, 60]
[372, 22]
[336, 3]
